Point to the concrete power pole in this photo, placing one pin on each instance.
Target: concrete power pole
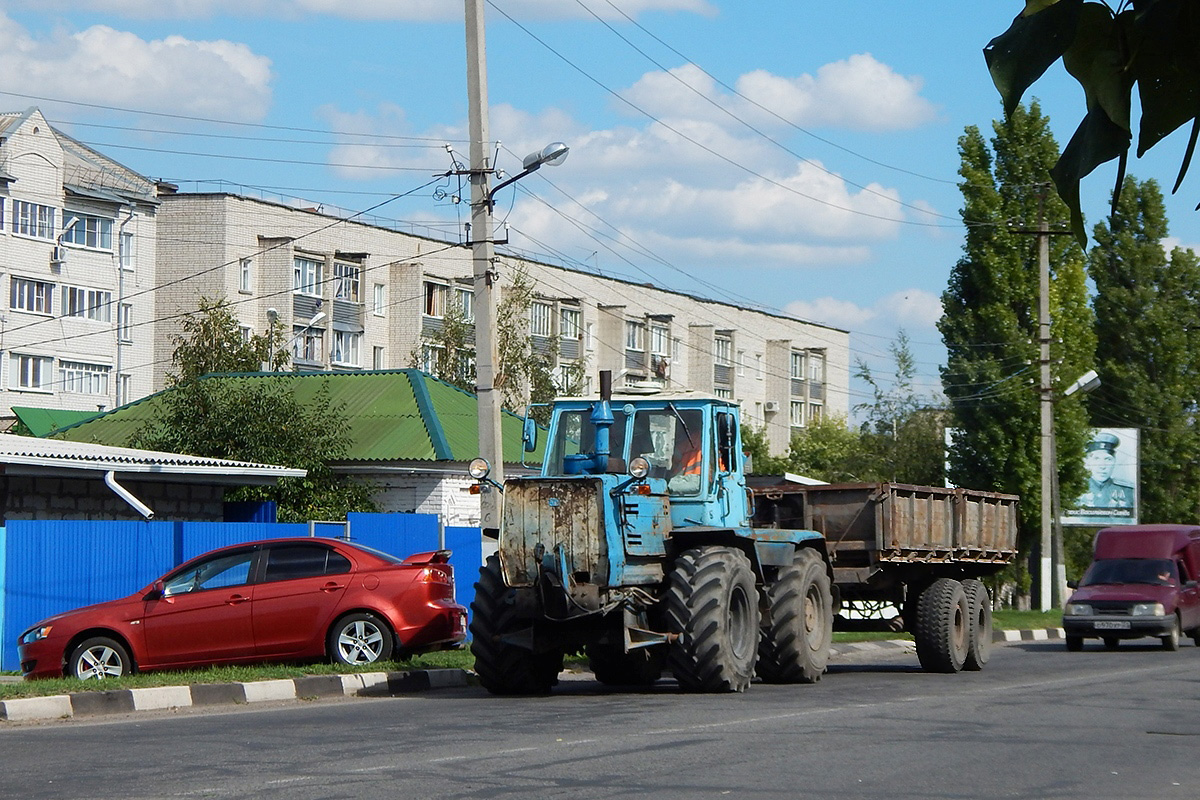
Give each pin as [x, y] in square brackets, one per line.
[1046, 403]
[483, 256]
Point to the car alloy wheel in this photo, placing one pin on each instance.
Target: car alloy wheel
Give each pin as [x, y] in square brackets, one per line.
[361, 639]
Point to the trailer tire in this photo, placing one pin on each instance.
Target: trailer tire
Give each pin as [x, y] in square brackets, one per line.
[943, 628]
[505, 668]
[795, 646]
[712, 605]
[612, 666]
[979, 638]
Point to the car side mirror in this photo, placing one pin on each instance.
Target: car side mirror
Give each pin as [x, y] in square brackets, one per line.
[157, 592]
[1072, 584]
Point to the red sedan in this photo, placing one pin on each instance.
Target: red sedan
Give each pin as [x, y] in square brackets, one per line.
[274, 600]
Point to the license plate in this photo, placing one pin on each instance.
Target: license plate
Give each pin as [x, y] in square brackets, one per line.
[1112, 625]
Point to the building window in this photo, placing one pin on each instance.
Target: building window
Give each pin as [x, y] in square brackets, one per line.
[541, 316]
[31, 372]
[377, 358]
[724, 394]
[125, 252]
[436, 297]
[246, 332]
[124, 324]
[378, 299]
[307, 276]
[635, 336]
[797, 414]
[741, 362]
[589, 336]
[659, 339]
[246, 275]
[814, 412]
[758, 366]
[797, 370]
[430, 356]
[816, 367]
[85, 230]
[76, 377]
[87, 303]
[31, 219]
[29, 295]
[346, 280]
[723, 351]
[569, 320]
[345, 348]
[308, 344]
[466, 304]
[676, 348]
[123, 388]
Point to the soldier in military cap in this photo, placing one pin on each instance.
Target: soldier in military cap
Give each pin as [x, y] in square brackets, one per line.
[1099, 459]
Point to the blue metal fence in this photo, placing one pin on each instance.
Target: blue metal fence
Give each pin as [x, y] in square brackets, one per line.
[50, 566]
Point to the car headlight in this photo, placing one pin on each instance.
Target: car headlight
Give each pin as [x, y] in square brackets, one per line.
[1077, 610]
[34, 634]
[1148, 610]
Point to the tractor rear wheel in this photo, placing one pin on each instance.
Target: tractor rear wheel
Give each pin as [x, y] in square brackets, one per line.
[712, 604]
[795, 645]
[505, 668]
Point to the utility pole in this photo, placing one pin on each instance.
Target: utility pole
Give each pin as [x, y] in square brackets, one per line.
[483, 257]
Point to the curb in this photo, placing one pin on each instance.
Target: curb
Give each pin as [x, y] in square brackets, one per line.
[161, 698]
[998, 637]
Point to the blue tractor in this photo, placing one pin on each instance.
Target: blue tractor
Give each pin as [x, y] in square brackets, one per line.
[636, 545]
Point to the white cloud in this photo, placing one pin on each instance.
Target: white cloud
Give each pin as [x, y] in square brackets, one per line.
[911, 309]
[407, 10]
[100, 64]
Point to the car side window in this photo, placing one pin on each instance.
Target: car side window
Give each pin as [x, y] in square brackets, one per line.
[288, 562]
[215, 573]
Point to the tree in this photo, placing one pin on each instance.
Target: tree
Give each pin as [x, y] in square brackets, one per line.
[210, 340]
[990, 321]
[453, 348]
[227, 416]
[1149, 352]
[1150, 44]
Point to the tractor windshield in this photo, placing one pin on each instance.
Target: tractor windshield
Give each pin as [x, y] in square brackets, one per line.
[575, 435]
[673, 442]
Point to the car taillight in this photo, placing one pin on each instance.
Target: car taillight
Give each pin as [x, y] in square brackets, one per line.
[435, 575]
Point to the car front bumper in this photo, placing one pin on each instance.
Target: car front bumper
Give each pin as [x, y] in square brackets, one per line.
[1118, 627]
[41, 659]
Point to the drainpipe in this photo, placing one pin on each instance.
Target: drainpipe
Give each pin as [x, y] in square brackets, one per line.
[110, 480]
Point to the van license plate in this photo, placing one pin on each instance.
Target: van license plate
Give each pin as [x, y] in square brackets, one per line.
[1112, 625]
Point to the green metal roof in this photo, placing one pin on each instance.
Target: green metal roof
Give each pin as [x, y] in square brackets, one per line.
[44, 421]
[399, 415]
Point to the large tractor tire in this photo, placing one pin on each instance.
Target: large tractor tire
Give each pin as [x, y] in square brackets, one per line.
[979, 637]
[943, 626]
[505, 668]
[795, 646]
[612, 666]
[712, 604]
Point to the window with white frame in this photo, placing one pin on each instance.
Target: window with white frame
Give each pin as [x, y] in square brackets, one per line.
[430, 356]
[541, 319]
[437, 295]
[345, 348]
[76, 377]
[247, 333]
[797, 414]
[125, 252]
[346, 281]
[85, 230]
[124, 322]
[246, 275]
[676, 348]
[466, 303]
[87, 303]
[797, 368]
[378, 299]
[568, 379]
[589, 336]
[30, 372]
[569, 323]
[308, 344]
[741, 362]
[31, 295]
[1, 213]
[758, 366]
[377, 358]
[723, 393]
[635, 335]
[723, 351]
[308, 275]
[816, 367]
[814, 412]
[124, 383]
[31, 219]
[660, 339]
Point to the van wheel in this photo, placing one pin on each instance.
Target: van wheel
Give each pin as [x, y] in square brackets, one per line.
[1111, 643]
[1074, 644]
[1195, 637]
[1171, 640]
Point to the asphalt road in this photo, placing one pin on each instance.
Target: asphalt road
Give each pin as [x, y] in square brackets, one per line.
[1037, 723]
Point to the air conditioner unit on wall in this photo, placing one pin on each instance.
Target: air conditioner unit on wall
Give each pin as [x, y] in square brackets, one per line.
[771, 406]
[58, 255]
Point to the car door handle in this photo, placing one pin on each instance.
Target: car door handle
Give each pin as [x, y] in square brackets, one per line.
[332, 587]
[236, 599]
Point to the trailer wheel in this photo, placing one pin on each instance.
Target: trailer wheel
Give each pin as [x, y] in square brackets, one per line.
[505, 668]
[1074, 644]
[795, 646]
[943, 626]
[979, 638]
[712, 604]
[612, 666]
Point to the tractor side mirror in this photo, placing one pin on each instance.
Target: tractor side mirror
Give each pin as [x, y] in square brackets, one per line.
[529, 435]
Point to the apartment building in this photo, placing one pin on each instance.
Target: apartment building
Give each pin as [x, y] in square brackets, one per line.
[77, 257]
[357, 296]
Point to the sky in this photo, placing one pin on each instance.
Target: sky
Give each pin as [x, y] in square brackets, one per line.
[798, 156]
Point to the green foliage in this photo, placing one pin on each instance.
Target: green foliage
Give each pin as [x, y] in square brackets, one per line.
[454, 350]
[1149, 352]
[211, 340]
[830, 451]
[1150, 44]
[256, 420]
[990, 321]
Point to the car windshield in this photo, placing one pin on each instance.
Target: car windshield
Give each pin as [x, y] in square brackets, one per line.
[1154, 571]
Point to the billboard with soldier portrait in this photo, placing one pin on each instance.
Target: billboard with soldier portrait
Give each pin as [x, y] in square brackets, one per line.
[1111, 461]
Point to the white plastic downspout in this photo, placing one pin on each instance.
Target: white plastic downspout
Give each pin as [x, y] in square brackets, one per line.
[110, 480]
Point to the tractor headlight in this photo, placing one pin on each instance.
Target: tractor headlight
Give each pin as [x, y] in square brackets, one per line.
[1148, 610]
[479, 468]
[639, 467]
